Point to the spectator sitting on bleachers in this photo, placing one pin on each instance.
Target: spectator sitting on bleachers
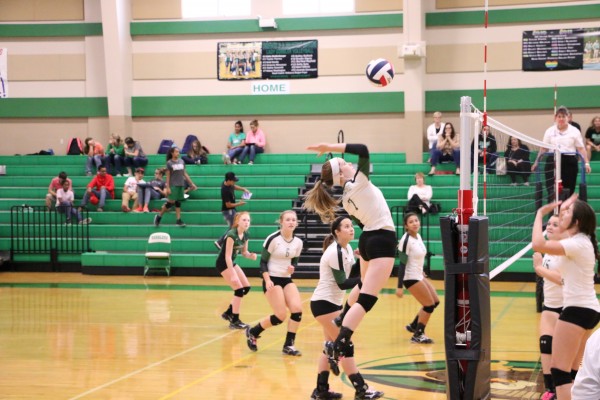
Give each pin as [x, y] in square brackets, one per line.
[155, 189]
[134, 155]
[235, 144]
[490, 147]
[94, 152]
[447, 149]
[419, 195]
[100, 186]
[255, 143]
[130, 190]
[197, 154]
[115, 155]
[433, 131]
[64, 204]
[592, 137]
[55, 184]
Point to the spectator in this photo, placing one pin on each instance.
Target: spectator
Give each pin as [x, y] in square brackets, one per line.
[486, 145]
[447, 149]
[433, 131]
[517, 161]
[228, 203]
[255, 143]
[115, 155]
[100, 186]
[130, 190]
[235, 145]
[592, 137]
[155, 189]
[55, 184]
[197, 154]
[569, 141]
[134, 155]
[419, 195]
[94, 152]
[64, 204]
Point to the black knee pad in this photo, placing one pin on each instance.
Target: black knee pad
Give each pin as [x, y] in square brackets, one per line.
[429, 309]
[437, 303]
[246, 289]
[561, 377]
[177, 204]
[367, 301]
[168, 205]
[274, 320]
[238, 292]
[546, 344]
[296, 316]
[346, 349]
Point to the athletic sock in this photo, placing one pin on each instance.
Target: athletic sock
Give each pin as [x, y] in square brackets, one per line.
[290, 337]
[256, 330]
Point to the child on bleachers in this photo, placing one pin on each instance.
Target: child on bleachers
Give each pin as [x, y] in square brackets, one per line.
[64, 204]
[130, 190]
[55, 184]
[155, 189]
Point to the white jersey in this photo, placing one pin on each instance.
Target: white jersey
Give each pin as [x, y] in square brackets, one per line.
[281, 253]
[365, 202]
[567, 141]
[577, 270]
[416, 252]
[553, 293]
[336, 258]
[587, 382]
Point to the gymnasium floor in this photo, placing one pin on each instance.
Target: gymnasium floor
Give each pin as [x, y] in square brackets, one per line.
[72, 336]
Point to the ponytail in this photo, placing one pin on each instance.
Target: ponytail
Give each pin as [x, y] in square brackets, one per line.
[320, 201]
[327, 241]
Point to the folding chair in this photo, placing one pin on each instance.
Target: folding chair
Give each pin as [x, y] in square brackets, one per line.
[158, 253]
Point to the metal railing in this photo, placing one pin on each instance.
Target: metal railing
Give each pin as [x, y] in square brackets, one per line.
[40, 230]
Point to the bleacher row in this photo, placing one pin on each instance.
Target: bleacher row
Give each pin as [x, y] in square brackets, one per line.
[118, 239]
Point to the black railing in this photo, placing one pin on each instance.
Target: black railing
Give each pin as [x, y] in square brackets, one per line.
[39, 230]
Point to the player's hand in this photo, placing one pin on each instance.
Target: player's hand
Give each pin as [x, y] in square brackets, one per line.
[320, 148]
[291, 269]
[399, 293]
[269, 284]
[537, 259]
[548, 208]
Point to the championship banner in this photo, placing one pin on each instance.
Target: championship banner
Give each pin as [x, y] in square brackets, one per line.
[267, 60]
[561, 49]
[3, 73]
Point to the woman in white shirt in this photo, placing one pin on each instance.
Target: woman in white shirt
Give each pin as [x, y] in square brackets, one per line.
[419, 195]
[581, 310]
[326, 304]
[411, 275]
[278, 262]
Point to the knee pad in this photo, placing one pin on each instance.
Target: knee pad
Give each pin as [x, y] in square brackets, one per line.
[367, 301]
[238, 292]
[429, 309]
[274, 320]
[168, 205]
[437, 303]
[560, 377]
[546, 344]
[346, 349]
[246, 289]
[296, 316]
[177, 204]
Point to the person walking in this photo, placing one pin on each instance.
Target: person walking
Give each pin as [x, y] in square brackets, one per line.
[228, 203]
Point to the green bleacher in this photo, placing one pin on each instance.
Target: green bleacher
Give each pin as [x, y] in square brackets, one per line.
[118, 239]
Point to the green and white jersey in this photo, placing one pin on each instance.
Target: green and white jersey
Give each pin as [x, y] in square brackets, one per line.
[238, 246]
[279, 254]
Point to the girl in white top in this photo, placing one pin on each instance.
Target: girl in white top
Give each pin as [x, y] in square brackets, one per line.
[412, 276]
[419, 195]
[547, 268]
[278, 262]
[64, 203]
[433, 131]
[581, 311]
[365, 203]
[334, 278]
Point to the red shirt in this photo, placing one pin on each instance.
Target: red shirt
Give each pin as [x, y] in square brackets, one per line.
[105, 180]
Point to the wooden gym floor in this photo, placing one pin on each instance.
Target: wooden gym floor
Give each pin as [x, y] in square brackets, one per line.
[72, 336]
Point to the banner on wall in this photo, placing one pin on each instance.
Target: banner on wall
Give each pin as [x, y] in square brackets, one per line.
[267, 60]
[3, 73]
[561, 49]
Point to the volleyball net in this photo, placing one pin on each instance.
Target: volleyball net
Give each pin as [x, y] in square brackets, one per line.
[505, 189]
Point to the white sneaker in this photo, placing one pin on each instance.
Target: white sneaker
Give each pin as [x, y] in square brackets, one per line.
[226, 159]
[85, 221]
[119, 175]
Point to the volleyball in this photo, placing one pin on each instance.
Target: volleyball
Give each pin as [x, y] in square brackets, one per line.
[380, 72]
